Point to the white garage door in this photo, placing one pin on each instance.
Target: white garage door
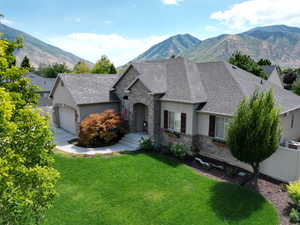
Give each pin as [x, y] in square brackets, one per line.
[67, 119]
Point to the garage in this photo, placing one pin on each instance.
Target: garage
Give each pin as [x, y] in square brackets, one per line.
[67, 119]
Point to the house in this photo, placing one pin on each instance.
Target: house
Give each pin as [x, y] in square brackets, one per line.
[273, 75]
[75, 96]
[179, 101]
[45, 85]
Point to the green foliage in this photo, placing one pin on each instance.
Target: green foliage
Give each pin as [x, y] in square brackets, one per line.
[294, 216]
[53, 70]
[25, 62]
[293, 189]
[245, 62]
[81, 67]
[179, 150]
[254, 131]
[146, 144]
[296, 86]
[104, 66]
[27, 179]
[264, 62]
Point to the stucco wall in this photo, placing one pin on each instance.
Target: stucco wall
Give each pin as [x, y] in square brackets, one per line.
[86, 110]
[283, 165]
[63, 96]
[179, 108]
[203, 123]
[287, 131]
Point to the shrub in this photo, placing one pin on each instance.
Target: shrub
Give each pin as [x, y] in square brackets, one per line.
[294, 216]
[294, 192]
[146, 144]
[101, 129]
[231, 171]
[179, 150]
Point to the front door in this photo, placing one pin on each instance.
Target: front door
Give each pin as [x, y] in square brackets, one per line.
[140, 116]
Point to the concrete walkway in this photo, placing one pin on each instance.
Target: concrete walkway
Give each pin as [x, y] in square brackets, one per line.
[62, 137]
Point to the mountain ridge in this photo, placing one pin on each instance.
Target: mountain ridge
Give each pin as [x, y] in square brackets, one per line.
[279, 43]
[39, 52]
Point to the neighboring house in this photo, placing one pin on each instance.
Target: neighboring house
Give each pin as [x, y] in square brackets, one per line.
[75, 96]
[45, 85]
[179, 101]
[273, 75]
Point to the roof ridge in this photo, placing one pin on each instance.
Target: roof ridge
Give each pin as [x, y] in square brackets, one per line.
[226, 65]
[187, 77]
[194, 65]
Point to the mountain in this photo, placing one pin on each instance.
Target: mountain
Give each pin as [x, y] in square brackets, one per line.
[174, 45]
[279, 43]
[38, 51]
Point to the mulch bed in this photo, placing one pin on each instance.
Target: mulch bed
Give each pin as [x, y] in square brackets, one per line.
[273, 190]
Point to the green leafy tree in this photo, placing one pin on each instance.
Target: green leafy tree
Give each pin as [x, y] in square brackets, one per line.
[296, 86]
[245, 62]
[53, 70]
[81, 67]
[254, 131]
[25, 62]
[27, 179]
[264, 62]
[104, 66]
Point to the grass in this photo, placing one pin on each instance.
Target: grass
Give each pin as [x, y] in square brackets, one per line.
[139, 189]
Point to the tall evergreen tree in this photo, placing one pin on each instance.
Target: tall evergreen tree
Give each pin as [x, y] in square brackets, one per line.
[254, 131]
[25, 62]
[264, 62]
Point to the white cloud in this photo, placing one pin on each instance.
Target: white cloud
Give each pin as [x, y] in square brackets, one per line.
[7, 22]
[172, 2]
[210, 28]
[260, 12]
[91, 46]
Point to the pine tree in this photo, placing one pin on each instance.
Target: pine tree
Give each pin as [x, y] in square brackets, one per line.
[25, 62]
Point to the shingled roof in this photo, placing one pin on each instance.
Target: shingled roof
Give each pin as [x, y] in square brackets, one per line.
[269, 69]
[45, 84]
[220, 86]
[88, 88]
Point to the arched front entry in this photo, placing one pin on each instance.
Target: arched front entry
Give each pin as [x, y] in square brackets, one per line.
[140, 117]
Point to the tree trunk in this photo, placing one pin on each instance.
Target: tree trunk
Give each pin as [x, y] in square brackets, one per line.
[254, 175]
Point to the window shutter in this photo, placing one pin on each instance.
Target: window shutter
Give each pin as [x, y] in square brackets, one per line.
[212, 121]
[166, 119]
[183, 123]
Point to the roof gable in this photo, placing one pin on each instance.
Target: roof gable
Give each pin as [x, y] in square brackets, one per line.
[88, 88]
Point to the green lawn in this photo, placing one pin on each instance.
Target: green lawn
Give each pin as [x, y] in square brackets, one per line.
[139, 189]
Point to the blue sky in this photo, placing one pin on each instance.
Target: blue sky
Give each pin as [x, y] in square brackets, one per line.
[124, 29]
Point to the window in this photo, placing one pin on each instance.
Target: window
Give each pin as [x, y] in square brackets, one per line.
[292, 121]
[221, 127]
[174, 121]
